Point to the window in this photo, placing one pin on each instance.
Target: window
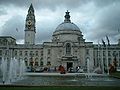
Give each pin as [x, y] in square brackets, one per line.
[75, 52]
[78, 39]
[119, 53]
[109, 54]
[41, 53]
[103, 53]
[36, 53]
[48, 51]
[31, 62]
[20, 53]
[31, 53]
[15, 53]
[68, 48]
[104, 61]
[48, 63]
[41, 63]
[41, 58]
[119, 63]
[1, 52]
[26, 61]
[114, 53]
[87, 51]
[109, 61]
[26, 53]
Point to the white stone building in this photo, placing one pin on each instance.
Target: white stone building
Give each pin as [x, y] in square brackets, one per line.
[67, 47]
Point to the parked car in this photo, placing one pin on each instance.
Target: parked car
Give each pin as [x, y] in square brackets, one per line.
[39, 69]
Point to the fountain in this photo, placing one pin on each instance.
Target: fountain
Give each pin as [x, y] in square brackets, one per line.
[88, 68]
[4, 70]
[22, 68]
[14, 72]
[14, 76]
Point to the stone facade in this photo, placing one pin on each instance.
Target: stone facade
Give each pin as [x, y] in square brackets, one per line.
[67, 47]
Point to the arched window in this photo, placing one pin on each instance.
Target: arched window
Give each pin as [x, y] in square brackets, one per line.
[48, 63]
[26, 61]
[41, 63]
[68, 48]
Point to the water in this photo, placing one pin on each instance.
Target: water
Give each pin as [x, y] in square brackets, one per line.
[13, 71]
[4, 70]
[13, 74]
[68, 80]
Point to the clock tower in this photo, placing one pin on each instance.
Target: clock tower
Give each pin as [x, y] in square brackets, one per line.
[30, 29]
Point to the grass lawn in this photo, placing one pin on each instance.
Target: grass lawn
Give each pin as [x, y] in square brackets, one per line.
[61, 88]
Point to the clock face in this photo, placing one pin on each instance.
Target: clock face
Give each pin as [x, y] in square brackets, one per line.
[29, 22]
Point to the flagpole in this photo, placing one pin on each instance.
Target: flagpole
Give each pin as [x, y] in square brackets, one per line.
[107, 53]
[104, 46]
[98, 54]
[102, 63]
[107, 59]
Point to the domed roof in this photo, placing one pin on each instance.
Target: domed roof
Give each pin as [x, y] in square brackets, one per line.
[67, 24]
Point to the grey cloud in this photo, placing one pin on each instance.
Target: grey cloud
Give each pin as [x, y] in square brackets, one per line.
[2, 11]
[104, 3]
[51, 4]
[107, 22]
[44, 31]
[14, 2]
[106, 18]
[9, 28]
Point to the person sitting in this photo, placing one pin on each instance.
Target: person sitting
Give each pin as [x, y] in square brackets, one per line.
[61, 69]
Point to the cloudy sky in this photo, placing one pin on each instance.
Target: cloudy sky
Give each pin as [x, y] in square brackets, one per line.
[95, 18]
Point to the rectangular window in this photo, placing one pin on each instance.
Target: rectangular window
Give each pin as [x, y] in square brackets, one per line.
[114, 53]
[26, 53]
[109, 53]
[87, 51]
[6, 52]
[15, 53]
[0, 52]
[41, 53]
[20, 53]
[119, 63]
[48, 51]
[31, 53]
[109, 61]
[104, 61]
[103, 53]
[119, 53]
[36, 53]
[41, 63]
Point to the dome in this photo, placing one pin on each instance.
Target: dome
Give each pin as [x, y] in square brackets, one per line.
[67, 26]
[67, 31]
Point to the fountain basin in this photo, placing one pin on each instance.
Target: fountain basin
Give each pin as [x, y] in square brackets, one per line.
[68, 79]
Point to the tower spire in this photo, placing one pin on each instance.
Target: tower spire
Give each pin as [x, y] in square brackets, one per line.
[31, 8]
[67, 17]
[30, 28]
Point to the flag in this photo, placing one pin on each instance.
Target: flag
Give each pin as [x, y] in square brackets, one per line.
[17, 29]
[108, 40]
[118, 30]
[103, 43]
[98, 44]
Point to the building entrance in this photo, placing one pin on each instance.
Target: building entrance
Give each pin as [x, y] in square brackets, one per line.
[69, 64]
